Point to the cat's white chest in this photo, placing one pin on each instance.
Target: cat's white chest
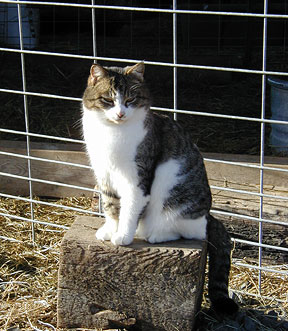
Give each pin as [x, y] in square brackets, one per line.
[112, 148]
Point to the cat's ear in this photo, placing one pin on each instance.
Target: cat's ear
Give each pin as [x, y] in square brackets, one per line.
[138, 70]
[96, 72]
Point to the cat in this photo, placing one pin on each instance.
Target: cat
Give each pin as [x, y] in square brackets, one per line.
[152, 176]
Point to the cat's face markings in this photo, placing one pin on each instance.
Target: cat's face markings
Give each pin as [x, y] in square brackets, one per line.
[117, 112]
[97, 73]
[115, 92]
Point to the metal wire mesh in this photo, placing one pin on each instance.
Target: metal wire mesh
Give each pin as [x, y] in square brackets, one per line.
[173, 64]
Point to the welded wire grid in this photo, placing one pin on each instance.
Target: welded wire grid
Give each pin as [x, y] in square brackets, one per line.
[260, 220]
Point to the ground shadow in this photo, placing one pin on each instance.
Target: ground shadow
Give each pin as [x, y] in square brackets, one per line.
[245, 319]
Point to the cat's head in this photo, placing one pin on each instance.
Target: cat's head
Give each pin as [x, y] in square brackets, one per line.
[116, 94]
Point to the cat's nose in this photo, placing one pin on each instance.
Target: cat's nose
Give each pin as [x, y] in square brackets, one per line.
[120, 114]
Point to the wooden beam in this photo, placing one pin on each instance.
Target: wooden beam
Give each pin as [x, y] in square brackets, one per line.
[219, 174]
[71, 175]
[224, 173]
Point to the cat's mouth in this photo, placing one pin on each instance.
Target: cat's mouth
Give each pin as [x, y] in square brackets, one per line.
[118, 120]
[117, 116]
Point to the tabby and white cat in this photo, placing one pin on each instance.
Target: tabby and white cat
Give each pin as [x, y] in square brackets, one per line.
[152, 177]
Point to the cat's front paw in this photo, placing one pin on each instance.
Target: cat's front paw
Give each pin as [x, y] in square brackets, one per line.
[103, 233]
[120, 239]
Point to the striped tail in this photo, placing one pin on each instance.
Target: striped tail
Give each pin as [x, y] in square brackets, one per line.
[219, 250]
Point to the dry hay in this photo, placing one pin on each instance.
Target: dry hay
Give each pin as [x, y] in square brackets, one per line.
[28, 272]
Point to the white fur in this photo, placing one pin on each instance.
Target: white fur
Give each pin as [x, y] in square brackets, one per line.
[159, 225]
[112, 150]
[111, 144]
[119, 112]
[108, 229]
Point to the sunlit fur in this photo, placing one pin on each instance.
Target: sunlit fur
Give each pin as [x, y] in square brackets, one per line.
[152, 176]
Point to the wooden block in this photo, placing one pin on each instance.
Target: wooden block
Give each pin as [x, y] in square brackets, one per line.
[103, 286]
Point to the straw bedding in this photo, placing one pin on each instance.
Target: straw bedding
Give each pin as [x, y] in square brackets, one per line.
[28, 276]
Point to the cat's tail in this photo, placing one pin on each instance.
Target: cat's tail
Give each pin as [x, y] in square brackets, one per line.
[219, 250]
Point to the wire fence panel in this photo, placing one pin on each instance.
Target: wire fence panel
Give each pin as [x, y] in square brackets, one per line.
[215, 87]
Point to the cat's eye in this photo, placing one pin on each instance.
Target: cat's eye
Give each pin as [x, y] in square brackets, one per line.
[107, 101]
[129, 101]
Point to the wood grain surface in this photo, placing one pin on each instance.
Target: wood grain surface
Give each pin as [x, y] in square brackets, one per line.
[158, 287]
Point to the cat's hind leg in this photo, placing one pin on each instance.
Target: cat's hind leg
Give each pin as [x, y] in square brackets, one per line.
[172, 228]
[157, 227]
[192, 228]
[158, 236]
[158, 223]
